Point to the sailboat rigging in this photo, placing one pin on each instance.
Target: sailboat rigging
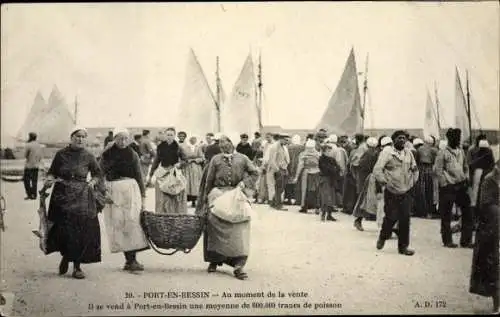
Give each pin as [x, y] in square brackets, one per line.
[365, 89]
[259, 93]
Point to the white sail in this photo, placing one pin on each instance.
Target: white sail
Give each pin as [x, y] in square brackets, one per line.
[34, 117]
[56, 122]
[198, 112]
[461, 118]
[431, 126]
[239, 113]
[343, 114]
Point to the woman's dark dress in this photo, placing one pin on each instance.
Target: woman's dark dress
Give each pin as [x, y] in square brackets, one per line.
[485, 258]
[329, 172]
[76, 233]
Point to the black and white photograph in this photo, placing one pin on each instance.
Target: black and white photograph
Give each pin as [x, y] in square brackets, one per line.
[250, 158]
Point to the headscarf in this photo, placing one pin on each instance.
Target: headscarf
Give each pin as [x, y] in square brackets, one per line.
[76, 129]
[296, 139]
[371, 142]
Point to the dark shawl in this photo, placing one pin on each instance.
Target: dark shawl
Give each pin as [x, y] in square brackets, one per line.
[117, 163]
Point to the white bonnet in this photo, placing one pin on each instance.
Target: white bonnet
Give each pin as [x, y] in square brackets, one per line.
[333, 138]
[429, 139]
[371, 142]
[296, 139]
[310, 144]
[443, 144]
[385, 141]
[76, 129]
[484, 144]
[120, 130]
[418, 141]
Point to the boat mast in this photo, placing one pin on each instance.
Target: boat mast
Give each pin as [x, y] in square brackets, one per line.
[365, 89]
[218, 93]
[468, 108]
[75, 120]
[259, 87]
[438, 117]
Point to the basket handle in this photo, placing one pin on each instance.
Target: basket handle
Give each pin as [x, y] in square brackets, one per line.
[157, 250]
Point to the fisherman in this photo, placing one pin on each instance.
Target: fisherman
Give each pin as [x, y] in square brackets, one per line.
[277, 169]
[397, 170]
[147, 153]
[33, 155]
[452, 171]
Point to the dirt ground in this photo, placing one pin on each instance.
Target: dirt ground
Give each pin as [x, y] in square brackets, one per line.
[337, 266]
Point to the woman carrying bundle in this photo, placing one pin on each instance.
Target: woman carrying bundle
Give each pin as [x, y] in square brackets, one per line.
[73, 208]
[225, 242]
[169, 155]
[121, 167]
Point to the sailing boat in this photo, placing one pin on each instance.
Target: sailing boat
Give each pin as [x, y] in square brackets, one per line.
[344, 114]
[34, 117]
[198, 109]
[57, 123]
[431, 122]
[240, 113]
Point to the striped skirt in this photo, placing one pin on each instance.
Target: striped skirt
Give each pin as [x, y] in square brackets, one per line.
[424, 191]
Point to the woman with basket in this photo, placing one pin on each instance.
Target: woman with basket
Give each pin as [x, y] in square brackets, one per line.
[226, 242]
[73, 206]
[121, 167]
[170, 158]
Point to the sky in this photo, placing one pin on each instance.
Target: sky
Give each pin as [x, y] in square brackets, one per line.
[126, 62]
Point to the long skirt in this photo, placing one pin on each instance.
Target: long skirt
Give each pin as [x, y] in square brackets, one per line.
[485, 258]
[309, 185]
[327, 193]
[262, 187]
[424, 191]
[193, 173]
[168, 204]
[122, 218]
[477, 178]
[366, 205]
[291, 191]
[350, 194]
[225, 242]
[76, 237]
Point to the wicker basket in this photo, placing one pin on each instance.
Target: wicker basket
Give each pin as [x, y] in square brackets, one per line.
[172, 231]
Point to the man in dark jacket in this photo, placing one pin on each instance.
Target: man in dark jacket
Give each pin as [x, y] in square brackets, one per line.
[212, 149]
[244, 147]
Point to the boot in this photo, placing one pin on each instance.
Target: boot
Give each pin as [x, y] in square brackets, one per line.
[358, 224]
[330, 217]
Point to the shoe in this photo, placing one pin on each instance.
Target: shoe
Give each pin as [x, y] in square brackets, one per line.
[380, 244]
[406, 252]
[27, 198]
[451, 245]
[317, 211]
[302, 210]
[467, 245]
[330, 218]
[78, 274]
[133, 267]
[63, 266]
[212, 267]
[358, 225]
[280, 208]
[239, 274]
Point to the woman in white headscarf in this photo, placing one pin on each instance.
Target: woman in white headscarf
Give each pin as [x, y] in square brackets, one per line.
[294, 150]
[73, 205]
[125, 186]
[307, 176]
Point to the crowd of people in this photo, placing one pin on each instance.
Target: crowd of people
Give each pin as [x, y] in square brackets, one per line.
[388, 179]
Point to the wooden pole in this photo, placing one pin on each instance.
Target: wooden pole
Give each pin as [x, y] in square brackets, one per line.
[218, 93]
[365, 89]
[259, 86]
[468, 108]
